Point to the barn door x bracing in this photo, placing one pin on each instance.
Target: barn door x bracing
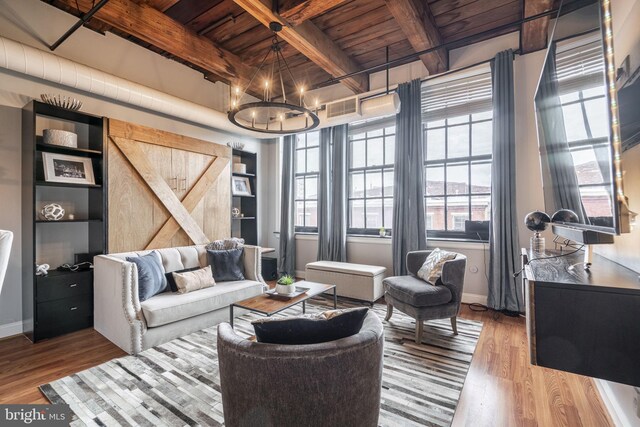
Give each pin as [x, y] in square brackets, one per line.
[165, 190]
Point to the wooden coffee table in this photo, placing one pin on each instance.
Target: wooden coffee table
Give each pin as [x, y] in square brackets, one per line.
[269, 306]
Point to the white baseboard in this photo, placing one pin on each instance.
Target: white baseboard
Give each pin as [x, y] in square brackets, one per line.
[10, 329]
[474, 299]
[618, 415]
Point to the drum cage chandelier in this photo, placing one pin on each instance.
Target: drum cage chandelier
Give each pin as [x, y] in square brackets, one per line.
[269, 116]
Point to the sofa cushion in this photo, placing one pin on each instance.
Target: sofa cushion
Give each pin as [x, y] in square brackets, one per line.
[347, 268]
[170, 307]
[151, 280]
[227, 265]
[415, 292]
[191, 281]
[172, 282]
[310, 329]
[231, 243]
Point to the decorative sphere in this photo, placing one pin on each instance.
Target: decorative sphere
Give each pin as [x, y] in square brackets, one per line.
[565, 215]
[537, 221]
[52, 212]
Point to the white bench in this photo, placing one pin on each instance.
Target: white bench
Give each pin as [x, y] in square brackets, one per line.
[359, 281]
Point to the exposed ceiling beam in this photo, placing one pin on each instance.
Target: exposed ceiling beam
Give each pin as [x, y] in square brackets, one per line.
[417, 23]
[533, 34]
[310, 41]
[161, 5]
[154, 27]
[309, 9]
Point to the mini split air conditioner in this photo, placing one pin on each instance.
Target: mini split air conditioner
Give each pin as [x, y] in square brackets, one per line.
[344, 108]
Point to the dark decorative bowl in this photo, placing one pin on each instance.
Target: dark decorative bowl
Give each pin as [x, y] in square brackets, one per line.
[537, 221]
[565, 215]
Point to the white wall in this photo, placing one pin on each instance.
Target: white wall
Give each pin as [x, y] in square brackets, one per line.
[377, 251]
[10, 214]
[619, 398]
[37, 24]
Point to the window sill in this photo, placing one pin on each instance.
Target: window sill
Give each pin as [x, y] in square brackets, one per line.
[431, 243]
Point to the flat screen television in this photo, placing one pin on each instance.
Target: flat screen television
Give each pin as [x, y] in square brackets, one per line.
[575, 121]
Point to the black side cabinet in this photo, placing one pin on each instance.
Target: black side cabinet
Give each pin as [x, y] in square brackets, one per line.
[61, 301]
[585, 322]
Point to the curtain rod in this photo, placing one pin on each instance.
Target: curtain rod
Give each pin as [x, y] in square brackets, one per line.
[411, 57]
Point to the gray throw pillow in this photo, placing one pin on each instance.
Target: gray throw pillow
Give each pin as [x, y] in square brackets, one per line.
[231, 243]
[310, 329]
[151, 278]
[226, 265]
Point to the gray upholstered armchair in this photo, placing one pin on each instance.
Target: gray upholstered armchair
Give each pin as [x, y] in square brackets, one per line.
[412, 296]
[336, 383]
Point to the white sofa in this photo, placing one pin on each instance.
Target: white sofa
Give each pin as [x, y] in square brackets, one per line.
[135, 326]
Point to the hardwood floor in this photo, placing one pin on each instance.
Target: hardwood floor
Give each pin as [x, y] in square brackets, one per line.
[501, 389]
[24, 366]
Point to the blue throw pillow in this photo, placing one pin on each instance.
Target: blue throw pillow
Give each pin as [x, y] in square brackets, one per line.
[151, 279]
[226, 265]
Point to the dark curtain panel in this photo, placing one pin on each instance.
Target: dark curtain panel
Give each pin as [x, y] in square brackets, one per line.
[409, 231]
[555, 157]
[324, 195]
[287, 259]
[504, 290]
[332, 194]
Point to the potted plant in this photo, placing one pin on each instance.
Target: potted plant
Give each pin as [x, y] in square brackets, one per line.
[382, 231]
[285, 285]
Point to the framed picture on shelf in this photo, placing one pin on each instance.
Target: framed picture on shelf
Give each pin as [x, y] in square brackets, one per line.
[240, 186]
[67, 169]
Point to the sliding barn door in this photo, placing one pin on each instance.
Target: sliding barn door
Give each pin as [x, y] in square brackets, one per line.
[165, 190]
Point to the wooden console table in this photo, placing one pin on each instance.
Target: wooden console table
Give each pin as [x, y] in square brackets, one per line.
[585, 322]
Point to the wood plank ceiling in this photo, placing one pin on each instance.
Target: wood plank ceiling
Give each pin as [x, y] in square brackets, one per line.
[227, 39]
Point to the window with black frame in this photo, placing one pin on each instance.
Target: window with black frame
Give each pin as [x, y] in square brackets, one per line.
[457, 125]
[370, 183]
[307, 163]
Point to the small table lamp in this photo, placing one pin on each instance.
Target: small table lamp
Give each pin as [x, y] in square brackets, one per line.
[537, 221]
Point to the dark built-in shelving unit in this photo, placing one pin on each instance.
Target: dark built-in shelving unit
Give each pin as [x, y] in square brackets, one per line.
[61, 301]
[246, 227]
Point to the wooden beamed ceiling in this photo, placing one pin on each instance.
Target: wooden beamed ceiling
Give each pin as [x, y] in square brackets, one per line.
[533, 35]
[420, 28]
[322, 39]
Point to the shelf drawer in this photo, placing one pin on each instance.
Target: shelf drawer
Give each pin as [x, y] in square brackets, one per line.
[64, 315]
[59, 286]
